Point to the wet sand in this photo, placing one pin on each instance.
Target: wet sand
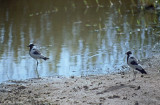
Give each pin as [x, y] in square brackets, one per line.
[113, 89]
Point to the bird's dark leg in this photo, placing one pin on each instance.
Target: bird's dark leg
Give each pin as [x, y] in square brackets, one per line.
[36, 69]
[134, 75]
[7, 75]
[37, 63]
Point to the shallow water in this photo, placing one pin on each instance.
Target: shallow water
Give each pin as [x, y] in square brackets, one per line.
[80, 38]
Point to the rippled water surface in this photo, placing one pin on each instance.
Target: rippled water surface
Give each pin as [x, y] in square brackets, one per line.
[81, 38]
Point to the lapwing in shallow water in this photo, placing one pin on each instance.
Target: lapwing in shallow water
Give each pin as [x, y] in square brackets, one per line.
[35, 53]
[133, 63]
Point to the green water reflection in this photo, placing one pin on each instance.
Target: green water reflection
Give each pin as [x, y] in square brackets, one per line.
[80, 38]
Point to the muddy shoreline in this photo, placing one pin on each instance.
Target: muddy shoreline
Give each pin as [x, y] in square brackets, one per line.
[113, 89]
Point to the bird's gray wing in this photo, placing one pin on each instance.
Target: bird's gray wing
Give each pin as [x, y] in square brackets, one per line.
[134, 61]
[36, 52]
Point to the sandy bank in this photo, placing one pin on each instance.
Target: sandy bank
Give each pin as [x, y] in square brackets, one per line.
[115, 89]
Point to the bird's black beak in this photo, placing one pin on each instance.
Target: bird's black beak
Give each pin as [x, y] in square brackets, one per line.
[27, 46]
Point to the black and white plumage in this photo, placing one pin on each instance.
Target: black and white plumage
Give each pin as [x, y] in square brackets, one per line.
[35, 53]
[133, 63]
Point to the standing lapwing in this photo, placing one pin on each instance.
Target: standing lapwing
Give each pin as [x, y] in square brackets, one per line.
[35, 53]
[133, 63]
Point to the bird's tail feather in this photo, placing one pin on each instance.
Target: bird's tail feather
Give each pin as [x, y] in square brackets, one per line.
[45, 58]
[142, 71]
